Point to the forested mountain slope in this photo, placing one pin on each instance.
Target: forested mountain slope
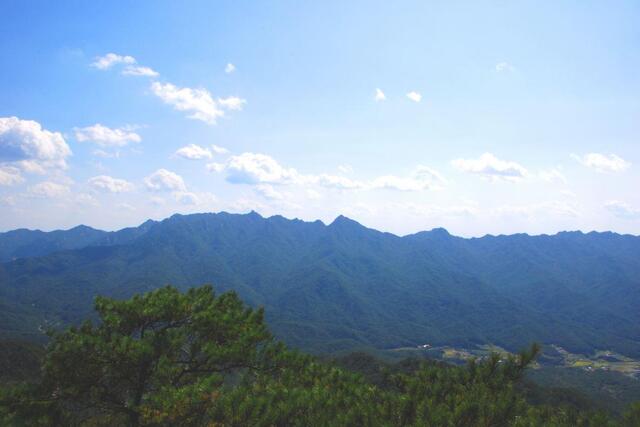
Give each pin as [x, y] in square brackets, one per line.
[23, 243]
[340, 286]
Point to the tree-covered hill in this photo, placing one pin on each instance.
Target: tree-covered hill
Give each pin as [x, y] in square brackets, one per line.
[344, 286]
[23, 243]
[168, 358]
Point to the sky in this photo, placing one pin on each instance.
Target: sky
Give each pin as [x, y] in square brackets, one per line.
[480, 117]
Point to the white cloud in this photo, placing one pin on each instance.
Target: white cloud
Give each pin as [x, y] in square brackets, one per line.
[106, 155]
[163, 180]
[268, 192]
[197, 102]
[194, 199]
[345, 168]
[504, 66]
[553, 175]
[50, 190]
[414, 96]
[86, 199]
[126, 207]
[131, 69]
[106, 137]
[10, 176]
[490, 167]
[391, 182]
[30, 147]
[32, 166]
[335, 181]
[423, 178]
[216, 167]
[186, 198]
[139, 70]
[157, 201]
[232, 103]
[425, 173]
[218, 150]
[110, 184]
[194, 152]
[603, 162]
[313, 194]
[110, 59]
[622, 210]
[230, 68]
[252, 168]
[380, 95]
[8, 200]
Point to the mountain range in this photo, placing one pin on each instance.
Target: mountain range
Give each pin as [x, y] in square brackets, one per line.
[341, 286]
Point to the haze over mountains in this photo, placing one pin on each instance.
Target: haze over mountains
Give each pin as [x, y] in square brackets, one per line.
[342, 286]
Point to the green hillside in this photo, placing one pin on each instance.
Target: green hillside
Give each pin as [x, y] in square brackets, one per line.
[343, 286]
[167, 358]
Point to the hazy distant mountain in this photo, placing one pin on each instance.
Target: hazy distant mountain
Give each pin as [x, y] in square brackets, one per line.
[339, 286]
[23, 243]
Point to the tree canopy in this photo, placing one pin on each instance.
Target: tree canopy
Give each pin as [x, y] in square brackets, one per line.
[196, 358]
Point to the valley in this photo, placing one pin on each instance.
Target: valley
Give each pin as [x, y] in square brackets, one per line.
[551, 356]
[341, 287]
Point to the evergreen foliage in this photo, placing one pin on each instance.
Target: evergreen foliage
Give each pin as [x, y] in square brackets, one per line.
[168, 358]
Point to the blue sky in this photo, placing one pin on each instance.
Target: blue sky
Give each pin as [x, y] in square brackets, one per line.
[481, 117]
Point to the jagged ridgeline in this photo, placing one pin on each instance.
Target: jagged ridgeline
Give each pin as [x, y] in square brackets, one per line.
[196, 359]
[341, 286]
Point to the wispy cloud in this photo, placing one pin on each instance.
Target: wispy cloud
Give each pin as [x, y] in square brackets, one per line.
[10, 176]
[504, 67]
[131, 68]
[138, 70]
[51, 190]
[218, 150]
[194, 199]
[255, 169]
[603, 162]
[622, 210]
[105, 136]
[423, 178]
[490, 167]
[164, 180]
[197, 102]
[215, 167]
[232, 103]
[414, 96]
[553, 175]
[268, 192]
[110, 59]
[110, 184]
[345, 168]
[194, 152]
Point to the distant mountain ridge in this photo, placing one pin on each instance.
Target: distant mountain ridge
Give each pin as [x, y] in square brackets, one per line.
[24, 243]
[342, 285]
